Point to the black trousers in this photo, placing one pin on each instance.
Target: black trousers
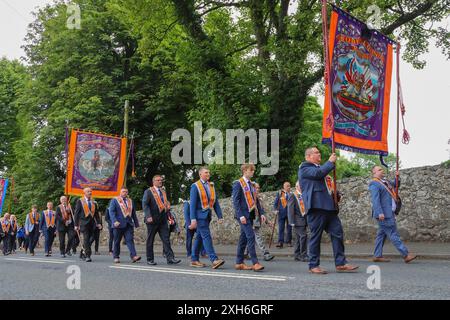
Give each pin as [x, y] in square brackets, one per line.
[70, 232]
[163, 230]
[6, 240]
[97, 238]
[21, 242]
[33, 238]
[88, 238]
[301, 243]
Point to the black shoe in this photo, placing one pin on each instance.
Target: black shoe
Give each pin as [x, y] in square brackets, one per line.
[88, 259]
[63, 255]
[69, 254]
[173, 261]
[151, 263]
[47, 255]
[280, 245]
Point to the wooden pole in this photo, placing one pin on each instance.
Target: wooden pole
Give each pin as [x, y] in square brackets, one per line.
[126, 119]
[398, 120]
[327, 81]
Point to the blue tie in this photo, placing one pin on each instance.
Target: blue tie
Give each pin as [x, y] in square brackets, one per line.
[161, 195]
[125, 201]
[89, 205]
[208, 192]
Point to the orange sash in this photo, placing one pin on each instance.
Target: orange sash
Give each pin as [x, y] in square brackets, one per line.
[48, 221]
[32, 219]
[162, 206]
[329, 184]
[249, 196]
[5, 226]
[283, 198]
[88, 212]
[65, 214]
[300, 202]
[204, 196]
[388, 188]
[126, 209]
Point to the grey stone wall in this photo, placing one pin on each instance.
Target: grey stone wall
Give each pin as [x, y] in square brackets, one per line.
[425, 215]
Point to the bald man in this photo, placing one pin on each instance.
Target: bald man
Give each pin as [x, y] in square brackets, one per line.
[86, 220]
[321, 212]
[384, 205]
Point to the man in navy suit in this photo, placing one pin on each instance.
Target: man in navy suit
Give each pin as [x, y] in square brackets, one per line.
[47, 226]
[321, 212]
[382, 196]
[156, 210]
[203, 200]
[280, 204]
[122, 214]
[246, 208]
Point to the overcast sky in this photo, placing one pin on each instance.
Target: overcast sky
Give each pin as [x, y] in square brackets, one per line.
[426, 92]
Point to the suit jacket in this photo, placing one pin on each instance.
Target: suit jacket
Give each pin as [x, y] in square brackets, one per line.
[196, 209]
[28, 225]
[43, 223]
[60, 223]
[115, 214]
[314, 188]
[294, 214]
[151, 209]
[381, 200]
[240, 204]
[86, 222]
[282, 212]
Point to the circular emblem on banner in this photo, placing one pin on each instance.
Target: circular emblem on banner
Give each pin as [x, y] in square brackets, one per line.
[96, 165]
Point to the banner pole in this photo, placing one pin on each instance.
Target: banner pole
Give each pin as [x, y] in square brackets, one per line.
[398, 120]
[327, 81]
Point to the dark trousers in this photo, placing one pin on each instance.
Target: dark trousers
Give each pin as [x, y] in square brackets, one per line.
[88, 238]
[301, 242]
[26, 243]
[163, 230]
[97, 238]
[21, 242]
[70, 232]
[12, 242]
[76, 242]
[128, 233]
[282, 225]
[49, 236]
[246, 239]
[189, 239]
[111, 238]
[6, 243]
[319, 221]
[33, 238]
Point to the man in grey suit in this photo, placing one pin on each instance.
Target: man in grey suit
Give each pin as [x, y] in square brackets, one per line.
[382, 196]
[297, 219]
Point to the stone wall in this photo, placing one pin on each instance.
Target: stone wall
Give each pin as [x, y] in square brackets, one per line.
[425, 215]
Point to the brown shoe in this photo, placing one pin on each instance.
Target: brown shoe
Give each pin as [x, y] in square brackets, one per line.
[136, 259]
[409, 258]
[381, 259]
[317, 270]
[346, 268]
[216, 264]
[242, 266]
[258, 267]
[197, 264]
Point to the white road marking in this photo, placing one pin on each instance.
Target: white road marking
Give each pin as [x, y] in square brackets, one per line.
[202, 273]
[36, 260]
